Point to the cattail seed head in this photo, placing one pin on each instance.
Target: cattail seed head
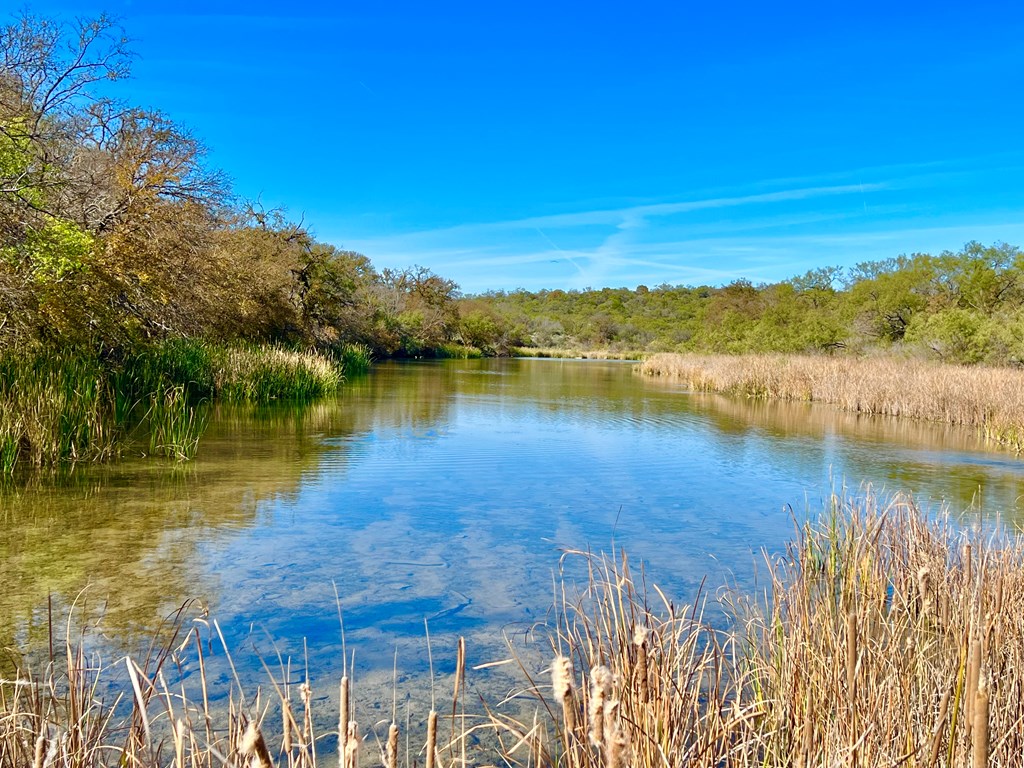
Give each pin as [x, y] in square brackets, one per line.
[253, 745]
[561, 678]
[600, 687]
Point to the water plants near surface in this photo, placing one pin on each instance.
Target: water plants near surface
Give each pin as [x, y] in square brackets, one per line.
[62, 407]
[990, 400]
[882, 637]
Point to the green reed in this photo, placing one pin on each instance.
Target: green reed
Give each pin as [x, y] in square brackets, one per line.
[354, 359]
[175, 424]
[65, 406]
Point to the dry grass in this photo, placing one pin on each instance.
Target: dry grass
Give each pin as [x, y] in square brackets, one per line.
[881, 638]
[990, 400]
[163, 715]
[580, 353]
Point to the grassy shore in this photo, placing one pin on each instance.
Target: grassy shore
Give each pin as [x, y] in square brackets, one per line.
[990, 400]
[579, 353]
[67, 406]
[881, 637]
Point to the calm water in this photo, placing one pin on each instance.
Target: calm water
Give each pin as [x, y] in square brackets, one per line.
[447, 491]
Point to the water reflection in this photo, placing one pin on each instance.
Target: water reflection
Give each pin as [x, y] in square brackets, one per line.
[445, 491]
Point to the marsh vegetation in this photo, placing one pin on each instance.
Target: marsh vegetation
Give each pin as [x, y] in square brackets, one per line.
[986, 399]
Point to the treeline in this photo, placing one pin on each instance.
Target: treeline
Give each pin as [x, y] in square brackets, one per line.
[114, 231]
[963, 307]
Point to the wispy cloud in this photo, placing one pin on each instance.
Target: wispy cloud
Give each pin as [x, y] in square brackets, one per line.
[758, 233]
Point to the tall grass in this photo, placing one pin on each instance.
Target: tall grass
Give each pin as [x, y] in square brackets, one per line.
[259, 374]
[159, 713]
[354, 359]
[881, 637]
[58, 408]
[54, 409]
[990, 400]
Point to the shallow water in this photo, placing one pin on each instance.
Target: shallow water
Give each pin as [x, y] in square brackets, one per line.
[446, 492]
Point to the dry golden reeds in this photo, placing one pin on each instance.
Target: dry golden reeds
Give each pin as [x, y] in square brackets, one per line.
[989, 400]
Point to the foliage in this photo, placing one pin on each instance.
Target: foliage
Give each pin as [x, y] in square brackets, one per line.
[961, 307]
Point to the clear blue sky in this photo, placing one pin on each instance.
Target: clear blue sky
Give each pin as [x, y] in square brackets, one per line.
[565, 145]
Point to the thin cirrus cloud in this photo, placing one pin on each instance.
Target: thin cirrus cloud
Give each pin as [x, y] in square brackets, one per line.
[760, 235]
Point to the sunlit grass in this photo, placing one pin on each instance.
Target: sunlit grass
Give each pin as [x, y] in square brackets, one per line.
[58, 408]
[990, 400]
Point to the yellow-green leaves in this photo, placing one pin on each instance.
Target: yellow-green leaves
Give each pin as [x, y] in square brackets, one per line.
[53, 251]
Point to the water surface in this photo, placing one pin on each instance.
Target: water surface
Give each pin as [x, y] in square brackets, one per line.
[446, 492]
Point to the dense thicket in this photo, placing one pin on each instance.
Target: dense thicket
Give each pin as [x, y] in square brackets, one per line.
[964, 307]
[114, 231]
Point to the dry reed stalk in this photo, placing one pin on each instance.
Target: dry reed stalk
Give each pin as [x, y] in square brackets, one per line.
[989, 400]
[940, 727]
[287, 723]
[980, 751]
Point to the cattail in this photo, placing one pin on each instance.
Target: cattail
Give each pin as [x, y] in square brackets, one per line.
[431, 738]
[973, 679]
[981, 744]
[307, 717]
[600, 687]
[40, 751]
[640, 634]
[253, 746]
[391, 758]
[352, 745]
[561, 684]
[343, 722]
[924, 586]
[614, 739]
[178, 731]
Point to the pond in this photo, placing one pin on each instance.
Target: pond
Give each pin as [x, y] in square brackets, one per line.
[446, 493]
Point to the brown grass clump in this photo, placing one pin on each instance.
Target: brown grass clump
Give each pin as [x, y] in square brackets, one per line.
[990, 400]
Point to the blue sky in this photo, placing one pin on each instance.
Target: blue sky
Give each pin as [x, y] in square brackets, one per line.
[565, 145]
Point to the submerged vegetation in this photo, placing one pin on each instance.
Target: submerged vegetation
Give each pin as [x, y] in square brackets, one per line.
[990, 400]
[882, 637]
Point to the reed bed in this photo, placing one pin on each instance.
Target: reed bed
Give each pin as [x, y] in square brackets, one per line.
[58, 408]
[880, 637]
[159, 715]
[580, 353]
[990, 400]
